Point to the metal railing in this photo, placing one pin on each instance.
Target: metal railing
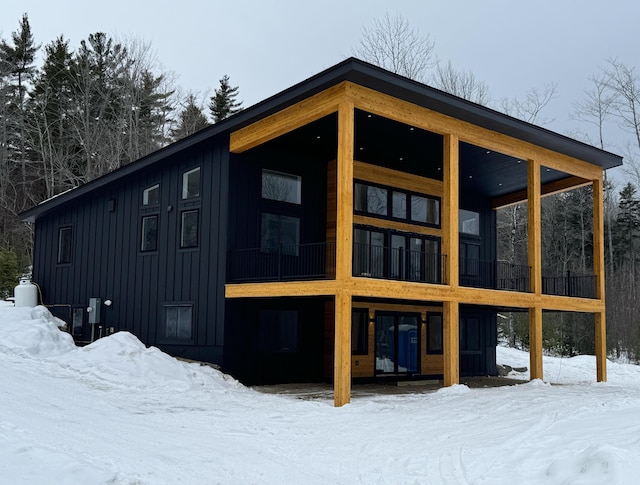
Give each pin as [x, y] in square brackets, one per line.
[398, 264]
[299, 262]
[494, 275]
[568, 283]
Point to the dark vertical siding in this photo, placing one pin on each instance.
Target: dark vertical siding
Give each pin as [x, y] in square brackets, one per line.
[107, 261]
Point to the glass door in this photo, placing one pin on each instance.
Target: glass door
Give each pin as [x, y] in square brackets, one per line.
[397, 343]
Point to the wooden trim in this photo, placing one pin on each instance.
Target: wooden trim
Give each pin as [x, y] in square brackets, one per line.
[426, 119]
[281, 288]
[401, 180]
[451, 342]
[396, 225]
[601, 347]
[551, 188]
[449, 208]
[534, 216]
[282, 122]
[535, 343]
[342, 352]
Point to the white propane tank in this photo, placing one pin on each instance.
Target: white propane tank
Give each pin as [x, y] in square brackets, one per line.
[26, 293]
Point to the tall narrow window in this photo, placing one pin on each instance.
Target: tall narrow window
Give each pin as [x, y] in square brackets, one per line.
[78, 320]
[149, 239]
[282, 187]
[191, 183]
[189, 229]
[434, 333]
[359, 332]
[151, 195]
[64, 245]
[178, 322]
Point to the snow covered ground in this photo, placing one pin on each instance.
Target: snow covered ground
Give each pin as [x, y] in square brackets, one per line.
[115, 412]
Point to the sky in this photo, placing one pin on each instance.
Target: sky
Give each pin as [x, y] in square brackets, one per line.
[267, 46]
[116, 412]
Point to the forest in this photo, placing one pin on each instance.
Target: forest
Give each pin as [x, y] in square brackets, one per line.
[70, 114]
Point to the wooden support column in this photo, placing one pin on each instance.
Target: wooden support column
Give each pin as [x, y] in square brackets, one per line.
[535, 262]
[450, 247]
[344, 249]
[598, 268]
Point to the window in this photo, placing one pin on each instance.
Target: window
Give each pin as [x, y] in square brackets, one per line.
[282, 187]
[178, 322]
[469, 222]
[425, 210]
[189, 229]
[434, 333]
[149, 238]
[280, 233]
[399, 205]
[359, 332]
[368, 253]
[191, 183]
[370, 199]
[151, 195]
[278, 331]
[77, 321]
[64, 245]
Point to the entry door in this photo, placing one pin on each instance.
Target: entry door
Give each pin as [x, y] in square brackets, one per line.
[397, 343]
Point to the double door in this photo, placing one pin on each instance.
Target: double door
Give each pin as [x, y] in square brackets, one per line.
[397, 343]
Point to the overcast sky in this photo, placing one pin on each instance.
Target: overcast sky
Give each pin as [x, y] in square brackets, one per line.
[267, 46]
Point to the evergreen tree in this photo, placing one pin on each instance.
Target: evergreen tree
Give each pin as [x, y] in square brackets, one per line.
[627, 226]
[223, 103]
[191, 119]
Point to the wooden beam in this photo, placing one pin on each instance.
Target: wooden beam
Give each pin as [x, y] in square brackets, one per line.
[535, 343]
[282, 122]
[551, 188]
[397, 225]
[451, 342]
[601, 347]
[426, 119]
[342, 342]
[534, 220]
[281, 288]
[450, 206]
[403, 180]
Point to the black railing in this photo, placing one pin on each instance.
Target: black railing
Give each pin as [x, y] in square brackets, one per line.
[303, 262]
[495, 275]
[397, 264]
[568, 284]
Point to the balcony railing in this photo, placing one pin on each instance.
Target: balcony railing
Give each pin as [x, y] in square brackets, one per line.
[568, 284]
[495, 275]
[398, 264]
[300, 262]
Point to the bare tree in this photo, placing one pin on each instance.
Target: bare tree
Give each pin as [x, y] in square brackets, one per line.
[392, 44]
[530, 108]
[463, 84]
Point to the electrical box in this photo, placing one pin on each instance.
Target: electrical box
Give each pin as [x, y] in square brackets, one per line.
[94, 310]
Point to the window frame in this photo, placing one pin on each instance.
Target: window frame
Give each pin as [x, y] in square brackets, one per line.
[65, 252]
[297, 196]
[429, 349]
[165, 336]
[290, 250]
[186, 195]
[360, 337]
[182, 229]
[145, 195]
[143, 248]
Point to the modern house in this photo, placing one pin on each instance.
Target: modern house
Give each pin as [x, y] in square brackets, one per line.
[343, 228]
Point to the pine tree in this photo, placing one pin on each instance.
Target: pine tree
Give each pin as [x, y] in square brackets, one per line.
[223, 103]
[627, 226]
[191, 119]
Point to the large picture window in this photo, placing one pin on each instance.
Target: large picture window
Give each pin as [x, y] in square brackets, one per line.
[149, 237]
[280, 233]
[278, 331]
[191, 183]
[282, 187]
[189, 229]
[178, 322]
[64, 245]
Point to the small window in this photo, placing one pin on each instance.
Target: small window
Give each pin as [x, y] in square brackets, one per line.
[278, 331]
[149, 239]
[191, 183]
[178, 322]
[359, 332]
[434, 333]
[78, 319]
[425, 210]
[189, 229]
[370, 199]
[399, 205]
[282, 187]
[64, 245]
[151, 195]
[469, 222]
[280, 233]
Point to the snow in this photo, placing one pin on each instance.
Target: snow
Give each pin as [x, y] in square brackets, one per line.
[117, 412]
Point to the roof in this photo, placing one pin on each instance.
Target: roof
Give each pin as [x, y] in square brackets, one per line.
[370, 76]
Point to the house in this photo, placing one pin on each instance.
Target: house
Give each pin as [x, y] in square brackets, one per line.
[343, 228]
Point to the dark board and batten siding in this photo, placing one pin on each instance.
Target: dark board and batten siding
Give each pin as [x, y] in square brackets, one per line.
[107, 261]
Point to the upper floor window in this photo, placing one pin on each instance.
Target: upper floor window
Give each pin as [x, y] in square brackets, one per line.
[282, 187]
[191, 183]
[280, 233]
[151, 195]
[64, 245]
[396, 204]
[189, 229]
[469, 222]
[149, 238]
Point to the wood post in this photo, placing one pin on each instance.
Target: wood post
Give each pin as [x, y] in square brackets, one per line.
[534, 218]
[344, 250]
[451, 341]
[601, 347]
[598, 269]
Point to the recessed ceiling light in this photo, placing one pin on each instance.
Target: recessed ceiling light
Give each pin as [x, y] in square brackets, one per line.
[401, 158]
[470, 176]
[548, 170]
[318, 137]
[411, 128]
[361, 148]
[488, 151]
[368, 116]
[500, 185]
